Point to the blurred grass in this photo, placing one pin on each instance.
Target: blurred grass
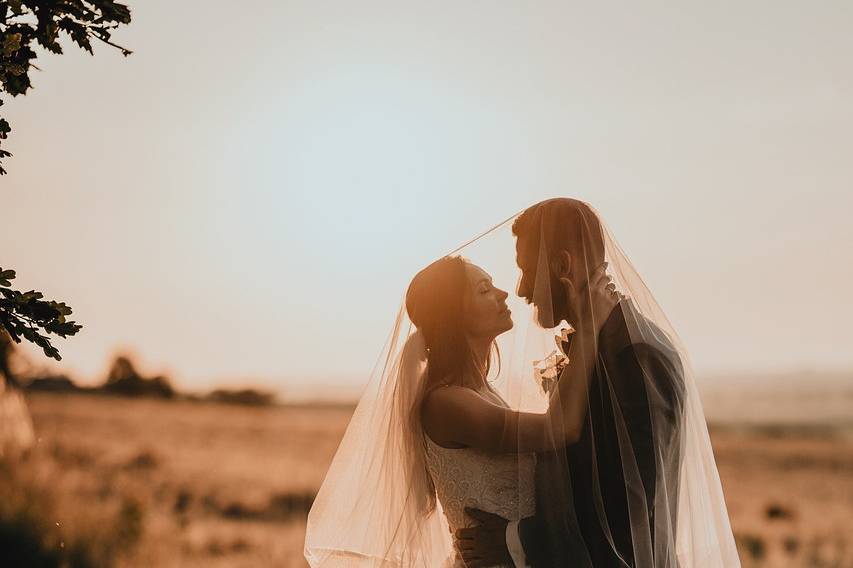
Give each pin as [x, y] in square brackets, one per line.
[42, 525]
[217, 484]
[789, 492]
[140, 482]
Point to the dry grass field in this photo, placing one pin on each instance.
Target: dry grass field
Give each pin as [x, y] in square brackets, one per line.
[137, 482]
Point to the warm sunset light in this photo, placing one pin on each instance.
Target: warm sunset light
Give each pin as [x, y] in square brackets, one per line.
[232, 208]
[241, 203]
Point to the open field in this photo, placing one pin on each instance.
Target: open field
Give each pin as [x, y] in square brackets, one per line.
[202, 484]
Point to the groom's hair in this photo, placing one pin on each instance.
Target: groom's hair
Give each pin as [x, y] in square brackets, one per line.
[564, 224]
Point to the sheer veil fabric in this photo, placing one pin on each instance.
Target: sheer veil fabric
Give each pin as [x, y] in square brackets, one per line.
[639, 488]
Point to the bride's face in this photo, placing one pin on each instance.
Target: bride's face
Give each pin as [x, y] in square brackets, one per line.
[486, 312]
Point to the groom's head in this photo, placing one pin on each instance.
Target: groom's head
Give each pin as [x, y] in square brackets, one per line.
[556, 239]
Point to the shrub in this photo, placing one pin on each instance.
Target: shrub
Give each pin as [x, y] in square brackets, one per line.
[250, 397]
[32, 532]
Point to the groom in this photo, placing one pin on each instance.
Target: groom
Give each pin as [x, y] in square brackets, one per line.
[610, 499]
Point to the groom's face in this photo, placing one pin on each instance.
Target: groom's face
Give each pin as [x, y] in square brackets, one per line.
[547, 297]
[526, 262]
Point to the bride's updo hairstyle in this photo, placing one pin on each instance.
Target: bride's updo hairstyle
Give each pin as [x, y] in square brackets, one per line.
[435, 303]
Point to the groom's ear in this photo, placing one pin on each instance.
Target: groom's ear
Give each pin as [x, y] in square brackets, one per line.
[561, 264]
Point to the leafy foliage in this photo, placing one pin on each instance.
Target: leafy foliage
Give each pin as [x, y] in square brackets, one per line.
[27, 23]
[26, 314]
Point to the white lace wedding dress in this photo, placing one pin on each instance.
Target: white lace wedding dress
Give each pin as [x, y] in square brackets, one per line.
[502, 484]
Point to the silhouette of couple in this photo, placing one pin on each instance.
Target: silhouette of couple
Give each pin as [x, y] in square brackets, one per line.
[613, 468]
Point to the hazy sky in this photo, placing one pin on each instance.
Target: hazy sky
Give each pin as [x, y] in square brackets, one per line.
[245, 197]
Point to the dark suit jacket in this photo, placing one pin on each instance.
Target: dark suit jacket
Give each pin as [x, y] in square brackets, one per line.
[581, 490]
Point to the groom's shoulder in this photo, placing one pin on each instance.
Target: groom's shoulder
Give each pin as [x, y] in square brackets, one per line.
[658, 368]
[649, 353]
[648, 343]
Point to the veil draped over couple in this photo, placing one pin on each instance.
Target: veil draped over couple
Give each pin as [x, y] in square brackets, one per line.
[532, 406]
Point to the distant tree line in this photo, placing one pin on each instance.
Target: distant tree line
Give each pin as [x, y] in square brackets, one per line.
[123, 379]
[25, 26]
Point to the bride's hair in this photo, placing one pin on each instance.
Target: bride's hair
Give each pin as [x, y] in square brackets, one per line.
[435, 303]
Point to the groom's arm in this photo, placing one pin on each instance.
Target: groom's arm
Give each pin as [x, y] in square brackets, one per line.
[496, 541]
[551, 537]
[527, 541]
[651, 398]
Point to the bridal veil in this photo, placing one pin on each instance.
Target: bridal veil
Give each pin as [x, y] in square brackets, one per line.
[645, 432]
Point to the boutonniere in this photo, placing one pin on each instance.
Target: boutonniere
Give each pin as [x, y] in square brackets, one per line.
[547, 371]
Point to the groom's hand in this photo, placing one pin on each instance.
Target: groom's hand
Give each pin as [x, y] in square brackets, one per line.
[485, 544]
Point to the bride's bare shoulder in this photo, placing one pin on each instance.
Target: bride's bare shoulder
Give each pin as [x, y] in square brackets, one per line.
[441, 411]
[458, 415]
[447, 398]
[451, 407]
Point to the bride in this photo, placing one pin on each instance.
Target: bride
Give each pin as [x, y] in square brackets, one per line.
[467, 424]
[549, 445]
[465, 431]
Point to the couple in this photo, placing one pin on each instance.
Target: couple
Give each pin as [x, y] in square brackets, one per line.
[595, 453]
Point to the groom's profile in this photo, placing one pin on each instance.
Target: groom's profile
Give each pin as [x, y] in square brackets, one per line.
[610, 499]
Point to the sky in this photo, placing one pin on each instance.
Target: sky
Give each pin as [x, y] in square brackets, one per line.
[244, 199]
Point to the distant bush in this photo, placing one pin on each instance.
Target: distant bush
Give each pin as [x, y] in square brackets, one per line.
[290, 504]
[250, 397]
[775, 511]
[754, 545]
[143, 461]
[53, 383]
[279, 507]
[123, 379]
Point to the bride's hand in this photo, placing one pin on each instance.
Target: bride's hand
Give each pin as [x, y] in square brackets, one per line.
[602, 294]
[594, 301]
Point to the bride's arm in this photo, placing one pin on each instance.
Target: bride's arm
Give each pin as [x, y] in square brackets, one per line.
[569, 401]
[458, 415]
